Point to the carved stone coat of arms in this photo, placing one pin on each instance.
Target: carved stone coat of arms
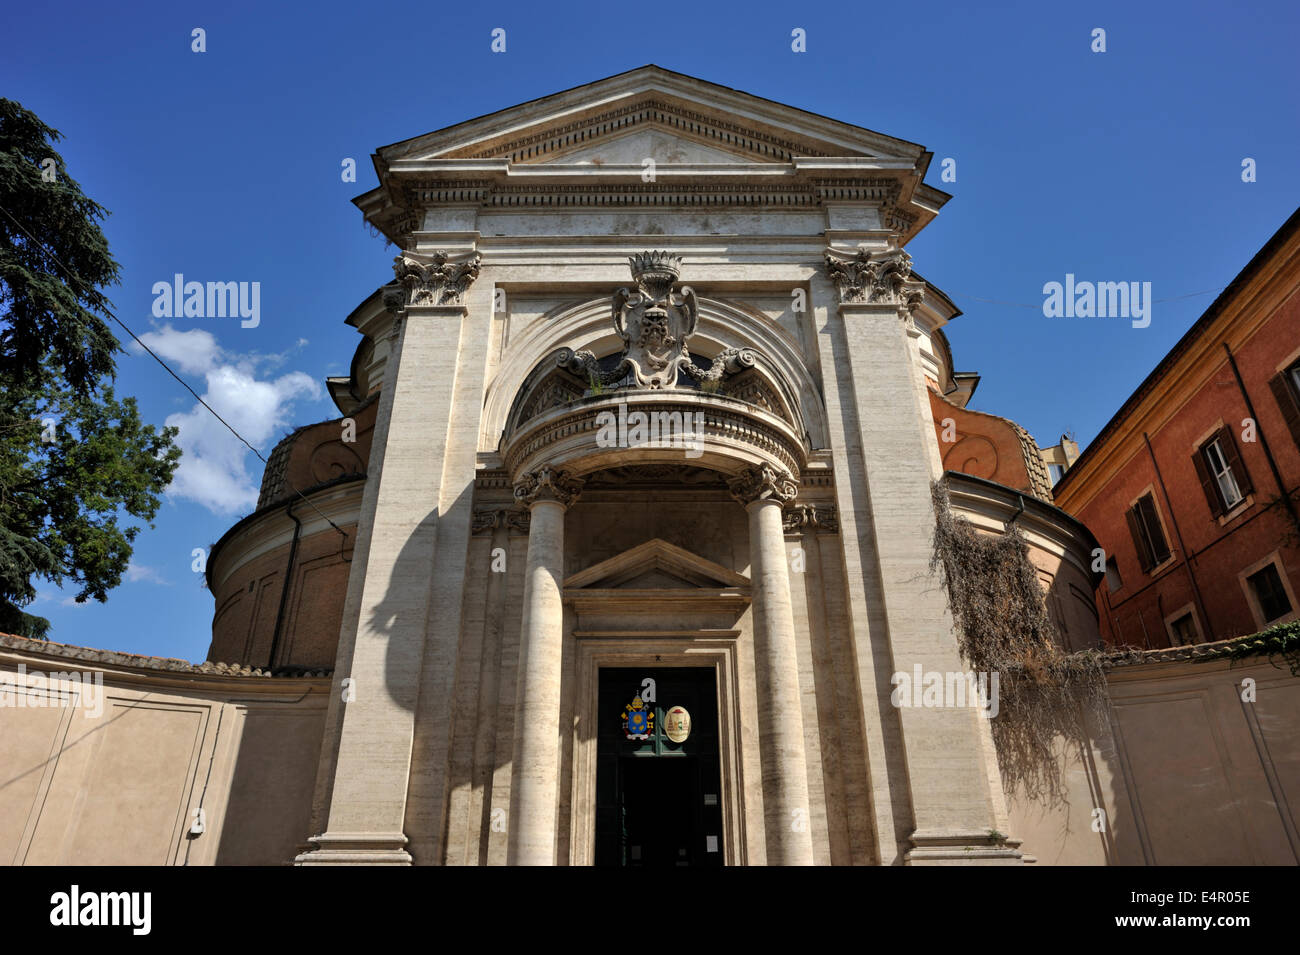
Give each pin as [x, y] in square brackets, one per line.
[654, 320]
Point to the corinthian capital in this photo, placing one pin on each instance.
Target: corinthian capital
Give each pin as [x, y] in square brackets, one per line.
[547, 484]
[882, 278]
[430, 280]
[761, 483]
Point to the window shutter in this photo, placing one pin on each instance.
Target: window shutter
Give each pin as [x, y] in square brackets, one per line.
[1208, 484]
[1159, 547]
[1233, 458]
[1286, 400]
[1139, 542]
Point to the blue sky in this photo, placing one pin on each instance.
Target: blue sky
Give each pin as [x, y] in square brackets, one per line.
[224, 165]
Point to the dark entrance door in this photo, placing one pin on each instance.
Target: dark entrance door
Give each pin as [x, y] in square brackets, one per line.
[658, 801]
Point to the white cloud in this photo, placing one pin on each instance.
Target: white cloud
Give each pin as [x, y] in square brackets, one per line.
[194, 352]
[215, 470]
[139, 573]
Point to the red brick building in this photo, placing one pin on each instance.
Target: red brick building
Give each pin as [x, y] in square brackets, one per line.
[1191, 488]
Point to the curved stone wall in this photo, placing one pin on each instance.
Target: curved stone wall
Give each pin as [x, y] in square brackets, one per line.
[280, 575]
[1059, 546]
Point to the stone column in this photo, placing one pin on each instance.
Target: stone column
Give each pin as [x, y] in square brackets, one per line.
[534, 786]
[764, 490]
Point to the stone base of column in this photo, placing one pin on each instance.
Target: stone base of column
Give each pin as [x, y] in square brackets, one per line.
[961, 847]
[356, 848]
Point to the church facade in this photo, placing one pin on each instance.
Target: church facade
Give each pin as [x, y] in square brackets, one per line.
[652, 430]
[619, 552]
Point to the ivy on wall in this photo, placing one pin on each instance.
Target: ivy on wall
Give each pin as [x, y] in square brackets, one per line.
[1282, 641]
[1003, 628]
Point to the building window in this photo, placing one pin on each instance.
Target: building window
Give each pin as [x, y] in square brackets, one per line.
[1056, 471]
[1222, 471]
[1223, 478]
[1286, 391]
[1183, 631]
[1223, 475]
[1148, 537]
[1113, 579]
[1270, 595]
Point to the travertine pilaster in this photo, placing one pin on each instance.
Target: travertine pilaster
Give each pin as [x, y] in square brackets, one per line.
[383, 639]
[952, 806]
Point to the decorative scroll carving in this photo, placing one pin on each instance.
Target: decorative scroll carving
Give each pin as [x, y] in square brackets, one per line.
[585, 364]
[763, 482]
[820, 517]
[730, 361]
[488, 519]
[439, 281]
[484, 521]
[883, 278]
[547, 484]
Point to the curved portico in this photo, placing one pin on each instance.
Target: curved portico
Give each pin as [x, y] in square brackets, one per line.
[658, 419]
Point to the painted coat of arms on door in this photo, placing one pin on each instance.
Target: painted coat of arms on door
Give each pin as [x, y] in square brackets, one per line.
[638, 720]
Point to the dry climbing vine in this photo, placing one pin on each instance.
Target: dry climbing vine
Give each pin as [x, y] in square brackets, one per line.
[1003, 627]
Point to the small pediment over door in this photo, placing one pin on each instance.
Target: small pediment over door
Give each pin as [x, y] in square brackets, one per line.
[654, 576]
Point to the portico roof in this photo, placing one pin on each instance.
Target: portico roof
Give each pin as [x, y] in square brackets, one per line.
[693, 130]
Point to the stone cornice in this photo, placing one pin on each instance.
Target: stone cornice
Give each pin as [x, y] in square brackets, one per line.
[653, 601]
[693, 183]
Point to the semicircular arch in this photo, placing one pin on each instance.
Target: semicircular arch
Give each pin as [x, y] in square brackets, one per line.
[587, 325]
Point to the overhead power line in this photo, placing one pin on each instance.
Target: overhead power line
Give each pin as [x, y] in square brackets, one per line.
[184, 384]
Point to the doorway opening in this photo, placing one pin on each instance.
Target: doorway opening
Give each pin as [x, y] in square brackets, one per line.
[658, 798]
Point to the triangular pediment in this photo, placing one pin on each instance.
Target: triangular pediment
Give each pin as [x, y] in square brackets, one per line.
[674, 114]
[712, 146]
[656, 565]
